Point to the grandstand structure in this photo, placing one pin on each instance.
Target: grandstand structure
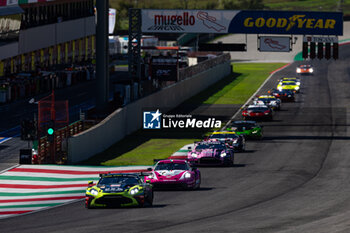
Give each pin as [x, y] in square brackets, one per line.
[44, 33]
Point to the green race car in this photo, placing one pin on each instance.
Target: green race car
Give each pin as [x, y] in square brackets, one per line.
[250, 129]
[119, 190]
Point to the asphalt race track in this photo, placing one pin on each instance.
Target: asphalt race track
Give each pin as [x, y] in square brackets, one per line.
[295, 180]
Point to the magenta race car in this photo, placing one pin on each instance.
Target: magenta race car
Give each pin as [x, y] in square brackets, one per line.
[173, 173]
[212, 153]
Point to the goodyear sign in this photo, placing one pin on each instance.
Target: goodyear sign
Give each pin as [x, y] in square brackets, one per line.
[287, 22]
[250, 22]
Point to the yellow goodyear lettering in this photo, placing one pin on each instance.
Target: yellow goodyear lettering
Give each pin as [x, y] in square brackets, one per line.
[329, 23]
[310, 23]
[281, 22]
[248, 22]
[288, 23]
[259, 22]
[319, 23]
[270, 22]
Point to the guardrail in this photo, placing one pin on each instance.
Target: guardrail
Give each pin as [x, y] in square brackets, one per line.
[203, 66]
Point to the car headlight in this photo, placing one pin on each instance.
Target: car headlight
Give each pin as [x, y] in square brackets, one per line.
[223, 154]
[298, 83]
[297, 88]
[134, 191]
[255, 131]
[94, 192]
[187, 175]
[311, 70]
[194, 155]
[298, 70]
[279, 88]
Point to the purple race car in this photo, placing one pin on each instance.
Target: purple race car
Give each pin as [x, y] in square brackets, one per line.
[211, 152]
[172, 173]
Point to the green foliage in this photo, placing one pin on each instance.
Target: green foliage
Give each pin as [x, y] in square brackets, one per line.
[243, 4]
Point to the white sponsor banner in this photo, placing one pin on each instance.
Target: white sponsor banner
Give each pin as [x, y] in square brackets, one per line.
[112, 17]
[181, 21]
[274, 44]
[11, 2]
[322, 39]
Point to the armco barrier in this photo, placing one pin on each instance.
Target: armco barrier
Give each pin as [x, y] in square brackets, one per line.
[128, 119]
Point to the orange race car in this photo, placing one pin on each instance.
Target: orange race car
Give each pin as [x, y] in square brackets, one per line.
[305, 69]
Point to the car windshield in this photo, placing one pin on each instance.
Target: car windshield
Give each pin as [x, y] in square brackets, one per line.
[288, 83]
[257, 109]
[128, 180]
[289, 79]
[224, 136]
[171, 166]
[210, 146]
[242, 127]
[266, 99]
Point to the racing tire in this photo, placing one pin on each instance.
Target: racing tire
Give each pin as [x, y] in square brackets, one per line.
[148, 201]
[242, 149]
[229, 163]
[198, 186]
[88, 204]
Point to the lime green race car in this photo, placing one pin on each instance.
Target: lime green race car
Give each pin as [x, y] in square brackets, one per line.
[288, 85]
[119, 190]
[293, 79]
[250, 129]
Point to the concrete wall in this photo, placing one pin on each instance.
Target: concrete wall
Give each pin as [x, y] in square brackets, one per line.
[129, 119]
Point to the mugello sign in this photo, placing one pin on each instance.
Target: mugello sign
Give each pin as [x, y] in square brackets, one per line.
[250, 22]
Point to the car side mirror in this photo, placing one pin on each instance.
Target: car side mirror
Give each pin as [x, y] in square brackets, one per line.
[90, 183]
[149, 169]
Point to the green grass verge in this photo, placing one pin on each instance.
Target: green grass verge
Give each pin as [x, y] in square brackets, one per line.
[144, 154]
[249, 77]
[143, 146]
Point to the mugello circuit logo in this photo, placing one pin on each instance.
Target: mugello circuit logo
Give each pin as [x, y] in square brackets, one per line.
[176, 22]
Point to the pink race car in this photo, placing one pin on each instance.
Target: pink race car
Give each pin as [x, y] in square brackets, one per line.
[172, 173]
[211, 152]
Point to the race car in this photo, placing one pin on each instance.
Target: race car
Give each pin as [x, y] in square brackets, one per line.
[210, 153]
[268, 100]
[305, 69]
[294, 79]
[172, 173]
[231, 139]
[261, 112]
[118, 190]
[288, 85]
[250, 129]
[284, 95]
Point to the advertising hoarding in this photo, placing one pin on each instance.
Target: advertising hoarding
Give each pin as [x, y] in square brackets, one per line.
[164, 72]
[247, 22]
[274, 44]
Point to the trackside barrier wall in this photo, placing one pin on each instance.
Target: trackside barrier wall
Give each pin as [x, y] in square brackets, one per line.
[128, 119]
